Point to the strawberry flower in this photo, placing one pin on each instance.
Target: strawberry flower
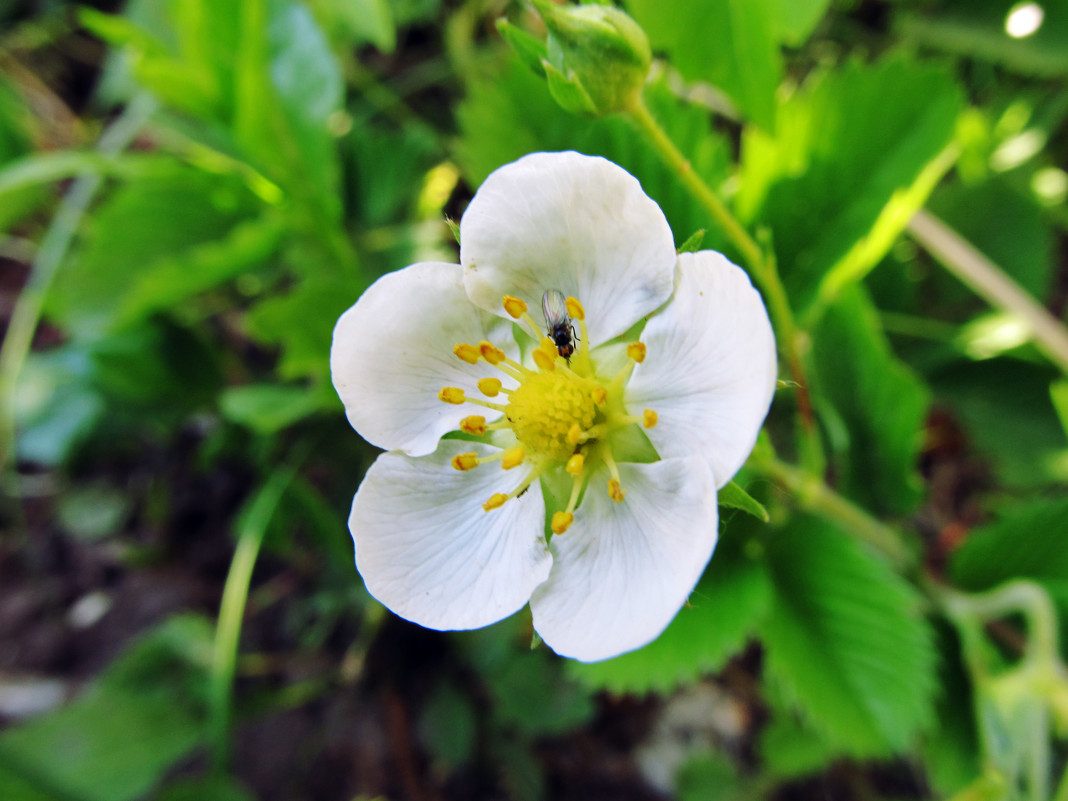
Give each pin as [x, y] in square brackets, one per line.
[572, 467]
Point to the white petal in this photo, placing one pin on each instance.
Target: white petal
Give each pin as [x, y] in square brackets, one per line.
[710, 371]
[575, 223]
[427, 550]
[392, 352]
[623, 570]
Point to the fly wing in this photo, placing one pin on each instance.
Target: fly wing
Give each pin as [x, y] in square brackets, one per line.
[554, 307]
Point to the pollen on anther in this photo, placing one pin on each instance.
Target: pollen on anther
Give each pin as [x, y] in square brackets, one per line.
[496, 500]
[574, 309]
[544, 359]
[453, 395]
[615, 491]
[561, 522]
[465, 461]
[513, 457]
[574, 434]
[636, 351]
[575, 464]
[490, 387]
[475, 424]
[649, 418]
[516, 307]
[467, 353]
[599, 396]
[491, 353]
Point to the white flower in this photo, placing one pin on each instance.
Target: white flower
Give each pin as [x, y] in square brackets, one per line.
[604, 515]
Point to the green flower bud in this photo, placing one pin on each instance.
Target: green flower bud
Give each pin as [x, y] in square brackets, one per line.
[597, 57]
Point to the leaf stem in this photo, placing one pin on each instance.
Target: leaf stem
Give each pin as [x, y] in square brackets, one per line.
[762, 267]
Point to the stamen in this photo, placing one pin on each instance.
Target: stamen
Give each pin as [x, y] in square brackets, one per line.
[649, 418]
[490, 387]
[516, 307]
[561, 522]
[599, 395]
[574, 309]
[475, 424]
[467, 353]
[546, 358]
[491, 353]
[496, 500]
[453, 395]
[615, 491]
[636, 351]
[513, 457]
[465, 461]
[575, 464]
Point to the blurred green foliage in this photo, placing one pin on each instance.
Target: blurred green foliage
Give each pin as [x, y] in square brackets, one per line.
[296, 150]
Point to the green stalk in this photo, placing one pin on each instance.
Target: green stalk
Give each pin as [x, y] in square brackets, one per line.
[251, 531]
[762, 268]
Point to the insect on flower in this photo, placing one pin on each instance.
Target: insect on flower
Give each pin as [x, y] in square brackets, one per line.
[558, 321]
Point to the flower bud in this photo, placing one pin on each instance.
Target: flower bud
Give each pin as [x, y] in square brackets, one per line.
[597, 57]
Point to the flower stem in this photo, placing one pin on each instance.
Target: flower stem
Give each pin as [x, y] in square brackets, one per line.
[762, 267]
[813, 495]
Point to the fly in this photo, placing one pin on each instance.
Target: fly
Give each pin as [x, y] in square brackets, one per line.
[558, 321]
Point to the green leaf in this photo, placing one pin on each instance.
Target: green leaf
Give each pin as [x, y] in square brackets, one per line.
[16, 129]
[794, 20]
[789, 750]
[530, 49]
[724, 610]
[735, 497]
[845, 145]
[976, 28]
[269, 408]
[133, 239]
[728, 43]
[880, 402]
[302, 323]
[1005, 224]
[1025, 541]
[208, 788]
[117, 739]
[1058, 393]
[1004, 405]
[360, 20]
[847, 641]
[712, 777]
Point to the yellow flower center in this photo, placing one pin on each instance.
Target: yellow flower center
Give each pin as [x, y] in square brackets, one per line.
[545, 407]
[560, 413]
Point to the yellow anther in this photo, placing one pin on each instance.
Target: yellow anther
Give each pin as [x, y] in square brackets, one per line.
[451, 395]
[513, 457]
[615, 492]
[491, 353]
[561, 522]
[514, 306]
[465, 461]
[475, 424]
[599, 396]
[544, 359]
[467, 353]
[636, 351]
[649, 418]
[575, 464]
[496, 500]
[489, 387]
[574, 308]
[574, 434]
